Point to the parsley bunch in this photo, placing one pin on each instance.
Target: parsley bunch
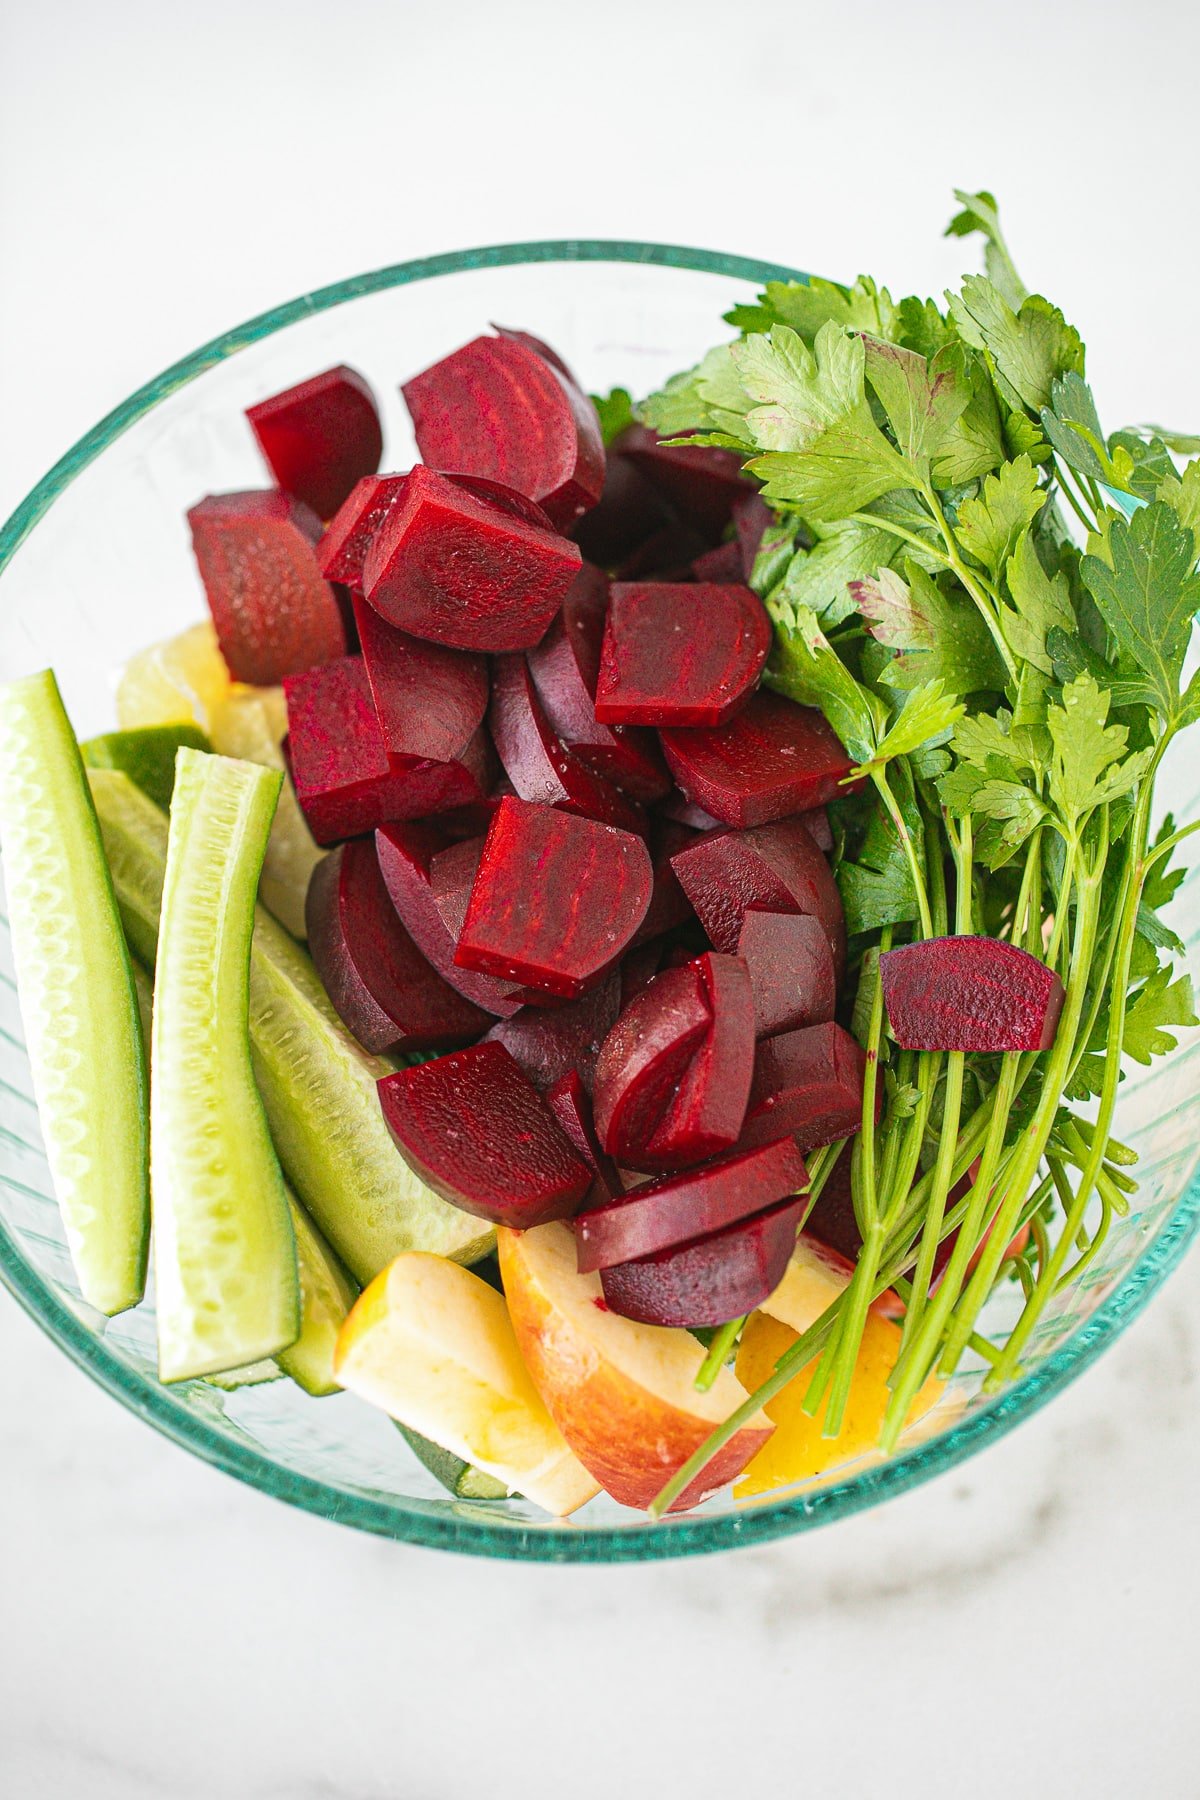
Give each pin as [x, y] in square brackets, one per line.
[1008, 697]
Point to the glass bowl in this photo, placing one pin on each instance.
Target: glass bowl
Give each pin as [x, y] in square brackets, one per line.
[96, 563]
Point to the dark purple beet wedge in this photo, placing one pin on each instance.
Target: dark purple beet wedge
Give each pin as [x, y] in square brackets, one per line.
[773, 759]
[430, 701]
[711, 1280]
[556, 900]
[699, 483]
[571, 1105]
[343, 548]
[705, 1114]
[275, 614]
[550, 1042]
[816, 823]
[669, 905]
[676, 654]
[791, 971]
[385, 991]
[772, 868]
[970, 993]
[644, 1059]
[808, 1083]
[721, 564]
[538, 763]
[503, 409]
[482, 1137]
[628, 512]
[751, 517]
[320, 437]
[406, 855]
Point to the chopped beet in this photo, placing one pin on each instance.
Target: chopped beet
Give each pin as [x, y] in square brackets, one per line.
[571, 1105]
[383, 988]
[482, 1137]
[685, 812]
[345, 781]
[680, 655]
[645, 1057]
[275, 615]
[773, 759]
[447, 565]
[722, 564]
[751, 517]
[406, 853]
[499, 408]
[430, 700]
[536, 761]
[628, 512]
[791, 971]
[564, 667]
[669, 905]
[320, 437]
[700, 483]
[666, 555]
[816, 823]
[343, 549]
[539, 348]
[705, 1114]
[556, 899]
[711, 1280]
[550, 1042]
[970, 993]
[808, 1082]
[772, 868]
[675, 1209]
[639, 966]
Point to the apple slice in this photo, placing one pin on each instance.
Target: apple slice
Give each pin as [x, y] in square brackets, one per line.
[645, 1057]
[430, 701]
[406, 854]
[433, 1346]
[342, 549]
[771, 868]
[712, 1280]
[622, 1394]
[548, 1043]
[807, 1082]
[705, 1114]
[274, 613]
[791, 971]
[678, 654]
[773, 759]
[480, 1135]
[320, 437]
[538, 764]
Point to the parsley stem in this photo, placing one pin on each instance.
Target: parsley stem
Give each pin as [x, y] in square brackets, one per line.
[879, 777]
[974, 583]
[1167, 844]
[1070, 497]
[718, 1352]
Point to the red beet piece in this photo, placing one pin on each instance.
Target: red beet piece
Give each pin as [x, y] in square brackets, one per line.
[675, 654]
[345, 781]
[539, 348]
[645, 1057]
[669, 905]
[406, 853]
[751, 517]
[448, 565]
[343, 548]
[274, 613]
[791, 971]
[482, 1137]
[320, 437]
[666, 555]
[700, 483]
[430, 700]
[571, 1105]
[809, 1083]
[674, 1210]
[639, 966]
[722, 564]
[969, 993]
[705, 1115]
[772, 868]
[499, 408]
[628, 512]
[714, 1279]
[816, 823]
[556, 899]
[685, 812]
[385, 991]
[451, 877]
[537, 762]
[773, 759]
[548, 1043]
[564, 667]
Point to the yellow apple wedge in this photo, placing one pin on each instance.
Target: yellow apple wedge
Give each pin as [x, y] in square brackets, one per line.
[621, 1393]
[432, 1345]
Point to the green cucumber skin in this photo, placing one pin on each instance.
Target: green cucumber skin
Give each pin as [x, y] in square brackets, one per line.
[462, 1479]
[146, 754]
[227, 1289]
[77, 996]
[318, 1085]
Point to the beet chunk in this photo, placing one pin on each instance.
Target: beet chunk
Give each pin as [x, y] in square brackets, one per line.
[714, 1279]
[548, 1043]
[320, 437]
[680, 655]
[816, 823]
[556, 899]
[448, 565]
[772, 868]
[675, 1209]
[571, 1105]
[666, 555]
[430, 700]
[639, 965]
[775, 758]
[482, 1137]
[347, 538]
[565, 666]
[970, 993]
[808, 1083]
[705, 1114]
[274, 613]
[385, 991]
[628, 512]
[406, 854]
[645, 1057]
[502, 409]
[751, 518]
[791, 971]
[538, 764]
[669, 905]
[686, 812]
[722, 564]
[345, 781]
[701, 484]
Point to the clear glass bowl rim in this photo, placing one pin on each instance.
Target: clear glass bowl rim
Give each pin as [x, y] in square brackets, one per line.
[417, 1522]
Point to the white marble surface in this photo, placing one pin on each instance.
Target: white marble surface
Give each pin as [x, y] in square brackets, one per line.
[1028, 1624]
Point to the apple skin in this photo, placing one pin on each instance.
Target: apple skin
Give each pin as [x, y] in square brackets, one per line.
[621, 1393]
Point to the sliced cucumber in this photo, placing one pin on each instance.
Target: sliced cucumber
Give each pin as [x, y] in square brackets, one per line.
[227, 1291]
[317, 1083]
[252, 723]
[253, 1375]
[77, 996]
[146, 755]
[462, 1479]
[326, 1295]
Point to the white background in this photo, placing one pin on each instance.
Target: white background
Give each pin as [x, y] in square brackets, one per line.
[1029, 1624]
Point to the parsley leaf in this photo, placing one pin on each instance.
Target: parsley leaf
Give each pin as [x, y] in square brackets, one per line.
[1041, 604]
[1086, 768]
[974, 444]
[805, 666]
[807, 305]
[936, 636]
[927, 718]
[1161, 1003]
[1072, 424]
[980, 213]
[820, 578]
[1148, 598]
[922, 399]
[615, 411]
[1029, 348]
[1182, 494]
[989, 525]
